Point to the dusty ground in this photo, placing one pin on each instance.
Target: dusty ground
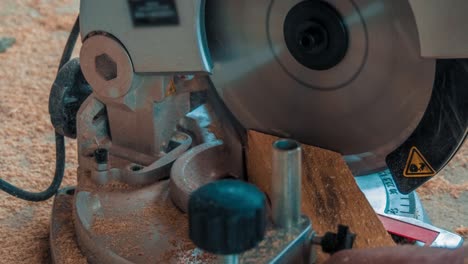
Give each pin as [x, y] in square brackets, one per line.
[27, 70]
[445, 197]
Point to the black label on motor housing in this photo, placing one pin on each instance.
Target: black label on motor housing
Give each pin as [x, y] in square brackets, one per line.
[153, 12]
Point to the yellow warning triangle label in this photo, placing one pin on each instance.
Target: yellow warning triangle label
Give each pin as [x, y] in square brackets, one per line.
[417, 165]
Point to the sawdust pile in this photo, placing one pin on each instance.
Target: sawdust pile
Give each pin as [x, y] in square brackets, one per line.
[154, 221]
[27, 70]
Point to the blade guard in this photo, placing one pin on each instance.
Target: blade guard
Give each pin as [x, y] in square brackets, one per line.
[440, 133]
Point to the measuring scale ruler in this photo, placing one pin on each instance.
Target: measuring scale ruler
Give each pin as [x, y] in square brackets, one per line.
[403, 215]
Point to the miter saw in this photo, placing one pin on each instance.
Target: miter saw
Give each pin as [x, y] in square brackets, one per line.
[164, 91]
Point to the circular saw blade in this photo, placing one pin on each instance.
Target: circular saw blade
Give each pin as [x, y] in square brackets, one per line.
[363, 105]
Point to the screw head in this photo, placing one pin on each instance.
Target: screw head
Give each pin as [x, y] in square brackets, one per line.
[101, 155]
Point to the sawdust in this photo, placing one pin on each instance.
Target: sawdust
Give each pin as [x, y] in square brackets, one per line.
[27, 70]
[444, 182]
[65, 244]
[161, 219]
[441, 185]
[463, 231]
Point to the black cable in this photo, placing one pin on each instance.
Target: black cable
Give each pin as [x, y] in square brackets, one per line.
[59, 141]
[70, 45]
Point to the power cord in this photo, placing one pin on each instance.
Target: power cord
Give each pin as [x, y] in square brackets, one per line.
[59, 141]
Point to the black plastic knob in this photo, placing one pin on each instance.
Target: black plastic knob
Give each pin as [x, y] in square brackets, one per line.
[227, 217]
[334, 242]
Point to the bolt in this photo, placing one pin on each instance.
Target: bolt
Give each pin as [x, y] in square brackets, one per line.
[312, 37]
[106, 67]
[101, 155]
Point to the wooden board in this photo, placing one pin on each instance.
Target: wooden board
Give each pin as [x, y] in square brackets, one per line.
[330, 195]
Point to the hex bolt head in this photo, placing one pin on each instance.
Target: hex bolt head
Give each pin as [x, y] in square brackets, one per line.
[106, 67]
